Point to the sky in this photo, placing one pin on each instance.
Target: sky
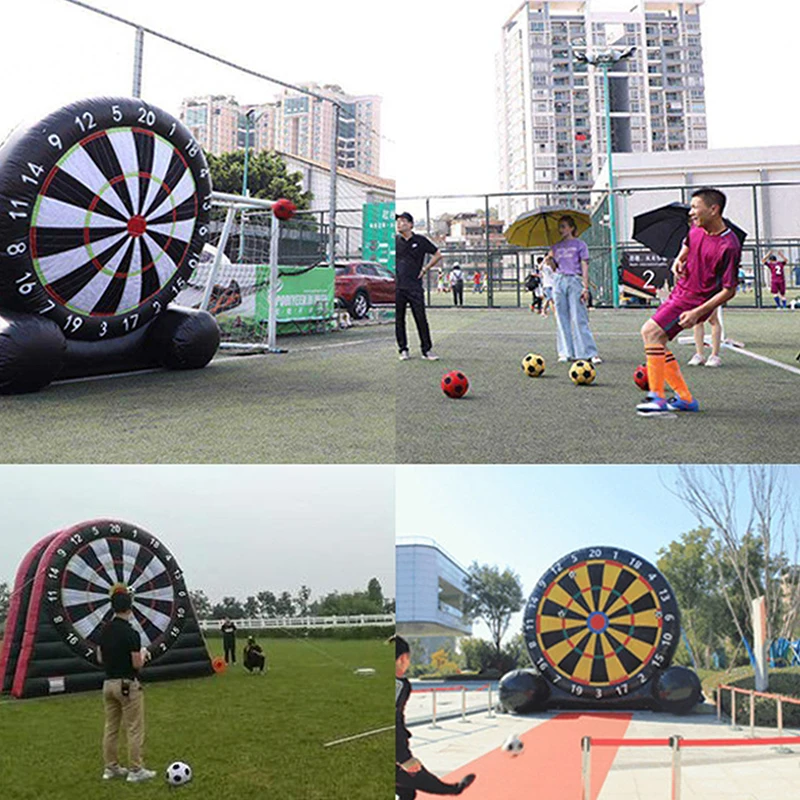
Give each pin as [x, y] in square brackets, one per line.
[235, 530]
[55, 53]
[447, 138]
[528, 517]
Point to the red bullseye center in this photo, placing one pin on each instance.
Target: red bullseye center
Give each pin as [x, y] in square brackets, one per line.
[137, 225]
[598, 622]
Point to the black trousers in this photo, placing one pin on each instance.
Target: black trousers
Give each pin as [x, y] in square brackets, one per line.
[230, 650]
[255, 661]
[536, 302]
[458, 293]
[415, 298]
[407, 784]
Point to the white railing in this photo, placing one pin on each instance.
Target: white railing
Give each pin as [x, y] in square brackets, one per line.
[267, 623]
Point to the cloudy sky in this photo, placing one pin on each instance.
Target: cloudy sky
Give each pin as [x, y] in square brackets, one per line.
[234, 530]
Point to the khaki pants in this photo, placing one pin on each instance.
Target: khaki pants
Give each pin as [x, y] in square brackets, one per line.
[123, 711]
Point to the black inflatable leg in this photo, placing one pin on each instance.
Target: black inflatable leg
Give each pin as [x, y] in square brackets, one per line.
[183, 338]
[32, 351]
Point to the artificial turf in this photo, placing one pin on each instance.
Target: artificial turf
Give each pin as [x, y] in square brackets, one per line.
[330, 399]
[243, 735]
[748, 408]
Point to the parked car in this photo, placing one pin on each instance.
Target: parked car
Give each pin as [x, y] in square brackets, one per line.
[359, 285]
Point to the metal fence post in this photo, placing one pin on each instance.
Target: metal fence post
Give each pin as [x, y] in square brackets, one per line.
[586, 768]
[675, 745]
[491, 709]
[780, 716]
[463, 703]
[734, 726]
[719, 704]
[433, 709]
[758, 269]
[752, 715]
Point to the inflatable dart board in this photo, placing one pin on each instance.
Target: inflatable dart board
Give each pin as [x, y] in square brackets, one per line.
[75, 573]
[601, 626]
[104, 209]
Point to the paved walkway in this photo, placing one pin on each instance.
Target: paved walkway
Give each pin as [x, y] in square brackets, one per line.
[549, 768]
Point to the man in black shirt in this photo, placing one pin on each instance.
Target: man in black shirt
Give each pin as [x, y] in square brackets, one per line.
[253, 656]
[410, 252]
[122, 655]
[228, 629]
[410, 775]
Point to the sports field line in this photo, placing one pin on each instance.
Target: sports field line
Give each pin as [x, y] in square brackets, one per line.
[152, 371]
[527, 334]
[764, 359]
[359, 736]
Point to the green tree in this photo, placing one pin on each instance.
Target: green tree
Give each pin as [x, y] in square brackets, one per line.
[375, 592]
[284, 607]
[346, 604]
[267, 176]
[303, 596]
[493, 597]
[229, 607]
[251, 607]
[200, 603]
[266, 603]
[5, 600]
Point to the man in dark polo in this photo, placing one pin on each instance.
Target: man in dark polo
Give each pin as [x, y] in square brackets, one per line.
[228, 629]
[122, 655]
[411, 249]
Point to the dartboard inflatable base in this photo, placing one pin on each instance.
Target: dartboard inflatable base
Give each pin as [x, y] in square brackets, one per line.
[104, 211]
[33, 351]
[601, 628]
[62, 600]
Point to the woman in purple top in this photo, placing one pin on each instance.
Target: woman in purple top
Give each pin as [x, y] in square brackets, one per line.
[570, 259]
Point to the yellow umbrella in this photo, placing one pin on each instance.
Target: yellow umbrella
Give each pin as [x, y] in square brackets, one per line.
[539, 228]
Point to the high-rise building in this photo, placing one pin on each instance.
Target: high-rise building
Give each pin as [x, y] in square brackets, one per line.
[551, 108]
[293, 123]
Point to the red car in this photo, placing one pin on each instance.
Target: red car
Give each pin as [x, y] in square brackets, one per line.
[362, 284]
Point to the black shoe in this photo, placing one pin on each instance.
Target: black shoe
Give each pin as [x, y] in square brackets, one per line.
[466, 782]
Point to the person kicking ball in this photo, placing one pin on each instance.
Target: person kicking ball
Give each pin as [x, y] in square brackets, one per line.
[706, 272]
[410, 775]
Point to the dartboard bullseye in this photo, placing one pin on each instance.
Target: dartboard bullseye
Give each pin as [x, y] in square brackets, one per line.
[104, 210]
[600, 624]
[98, 560]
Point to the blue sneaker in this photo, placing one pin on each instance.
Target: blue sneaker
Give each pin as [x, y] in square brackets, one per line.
[654, 406]
[676, 404]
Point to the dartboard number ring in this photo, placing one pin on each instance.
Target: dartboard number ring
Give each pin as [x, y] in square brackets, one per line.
[96, 561]
[600, 623]
[104, 210]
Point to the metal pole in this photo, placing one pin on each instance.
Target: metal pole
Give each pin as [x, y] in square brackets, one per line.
[463, 703]
[489, 277]
[733, 710]
[491, 709]
[780, 716]
[221, 245]
[675, 744]
[586, 768]
[752, 715]
[245, 183]
[719, 704]
[428, 231]
[334, 181]
[611, 209]
[758, 268]
[274, 250]
[138, 54]
[433, 709]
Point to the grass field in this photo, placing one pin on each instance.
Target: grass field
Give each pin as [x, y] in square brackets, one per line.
[330, 399]
[748, 408]
[245, 736]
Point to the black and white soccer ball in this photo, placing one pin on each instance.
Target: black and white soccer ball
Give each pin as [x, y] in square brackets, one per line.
[513, 746]
[178, 773]
[582, 373]
[533, 365]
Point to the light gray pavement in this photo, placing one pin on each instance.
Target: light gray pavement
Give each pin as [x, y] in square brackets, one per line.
[735, 773]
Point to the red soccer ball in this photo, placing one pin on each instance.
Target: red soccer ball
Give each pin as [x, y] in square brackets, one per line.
[284, 209]
[455, 384]
[640, 377]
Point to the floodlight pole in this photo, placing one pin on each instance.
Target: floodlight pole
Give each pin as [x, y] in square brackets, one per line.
[612, 215]
[245, 186]
[334, 176]
[138, 54]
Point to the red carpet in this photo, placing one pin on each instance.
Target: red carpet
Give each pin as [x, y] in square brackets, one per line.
[550, 766]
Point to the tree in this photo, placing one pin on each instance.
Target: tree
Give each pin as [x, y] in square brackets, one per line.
[303, 596]
[750, 511]
[267, 176]
[251, 607]
[266, 603]
[284, 607]
[375, 592]
[492, 596]
[229, 607]
[200, 603]
[389, 606]
[346, 604]
[5, 600]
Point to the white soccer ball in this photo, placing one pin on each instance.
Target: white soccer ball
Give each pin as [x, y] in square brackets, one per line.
[513, 745]
[178, 773]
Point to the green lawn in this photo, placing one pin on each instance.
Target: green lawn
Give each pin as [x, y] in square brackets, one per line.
[748, 408]
[330, 399]
[258, 736]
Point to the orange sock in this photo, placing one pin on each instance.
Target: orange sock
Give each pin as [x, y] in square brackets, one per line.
[675, 378]
[656, 357]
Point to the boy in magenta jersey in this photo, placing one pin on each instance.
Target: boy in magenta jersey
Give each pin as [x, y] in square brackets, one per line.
[707, 273]
[777, 272]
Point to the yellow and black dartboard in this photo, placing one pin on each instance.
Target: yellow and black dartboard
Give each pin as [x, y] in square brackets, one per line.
[601, 623]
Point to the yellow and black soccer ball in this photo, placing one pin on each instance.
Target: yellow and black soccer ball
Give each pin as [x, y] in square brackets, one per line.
[582, 373]
[533, 365]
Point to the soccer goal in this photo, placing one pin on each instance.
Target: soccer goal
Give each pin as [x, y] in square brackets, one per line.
[261, 275]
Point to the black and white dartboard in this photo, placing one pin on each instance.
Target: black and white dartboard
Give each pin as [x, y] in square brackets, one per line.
[104, 210]
[601, 623]
[104, 557]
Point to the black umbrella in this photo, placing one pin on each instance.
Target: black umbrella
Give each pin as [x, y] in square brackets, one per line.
[664, 229]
